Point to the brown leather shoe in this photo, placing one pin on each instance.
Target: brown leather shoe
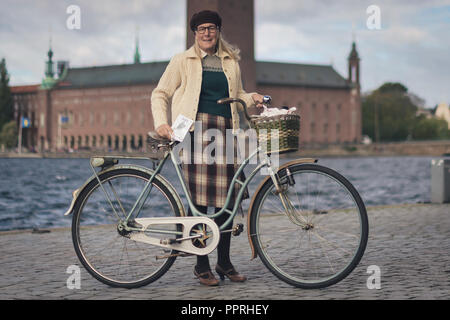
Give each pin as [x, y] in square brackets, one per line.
[206, 278]
[231, 274]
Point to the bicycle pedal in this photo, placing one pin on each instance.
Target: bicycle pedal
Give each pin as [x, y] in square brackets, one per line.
[237, 229]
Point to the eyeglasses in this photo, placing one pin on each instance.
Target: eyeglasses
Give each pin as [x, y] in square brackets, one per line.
[211, 29]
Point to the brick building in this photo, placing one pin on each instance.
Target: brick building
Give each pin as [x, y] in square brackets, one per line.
[108, 107]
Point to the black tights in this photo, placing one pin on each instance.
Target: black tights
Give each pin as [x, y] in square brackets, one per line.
[223, 248]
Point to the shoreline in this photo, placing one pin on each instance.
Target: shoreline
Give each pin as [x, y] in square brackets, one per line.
[437, 148]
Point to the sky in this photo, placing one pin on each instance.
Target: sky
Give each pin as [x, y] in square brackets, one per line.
[406, 41]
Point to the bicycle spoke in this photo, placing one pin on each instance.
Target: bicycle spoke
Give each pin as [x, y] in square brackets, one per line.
[118, 199]
[324, 217]
[104, 246]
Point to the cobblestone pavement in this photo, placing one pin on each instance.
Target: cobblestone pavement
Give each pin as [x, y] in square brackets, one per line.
[409, 243]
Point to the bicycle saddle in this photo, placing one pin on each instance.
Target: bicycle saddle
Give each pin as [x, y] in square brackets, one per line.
[154, 137]
[157, 145]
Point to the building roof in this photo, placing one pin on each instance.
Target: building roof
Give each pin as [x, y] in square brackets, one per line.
[113, 75]
[291, 74]
[269, 73]
[25, 89]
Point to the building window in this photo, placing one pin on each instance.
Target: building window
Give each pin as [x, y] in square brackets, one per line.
[140, 144]
[132, 142]
[116, 142]
[129, 118]
[124, 143]
[104, 119]
[142, 116]
[313, 111]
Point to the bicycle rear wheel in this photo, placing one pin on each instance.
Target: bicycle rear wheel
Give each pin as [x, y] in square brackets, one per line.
[106, 252]
[325, 236]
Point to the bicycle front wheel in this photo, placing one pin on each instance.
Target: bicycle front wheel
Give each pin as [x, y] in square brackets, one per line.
[105, 250]
[322, 235]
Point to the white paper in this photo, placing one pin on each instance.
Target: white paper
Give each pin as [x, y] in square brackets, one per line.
[270, 112]
[181, 127]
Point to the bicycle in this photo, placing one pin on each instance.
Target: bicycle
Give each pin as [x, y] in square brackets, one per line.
[306, 222]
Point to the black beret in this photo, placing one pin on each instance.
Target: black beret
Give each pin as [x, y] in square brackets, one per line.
[205, 16]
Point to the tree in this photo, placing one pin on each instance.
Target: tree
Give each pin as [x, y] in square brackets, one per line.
[388, 113]
[8, 135]
[6, 100]
[427, 129]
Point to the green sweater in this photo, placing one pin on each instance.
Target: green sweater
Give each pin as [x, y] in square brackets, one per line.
[214, 87]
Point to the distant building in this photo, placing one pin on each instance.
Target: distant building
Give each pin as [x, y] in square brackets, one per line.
[427, 113]
[108, 107]
[443, 112]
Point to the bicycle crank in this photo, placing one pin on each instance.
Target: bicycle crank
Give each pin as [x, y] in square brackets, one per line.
[185, 240]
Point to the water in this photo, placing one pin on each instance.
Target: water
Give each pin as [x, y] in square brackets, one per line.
[35, 193]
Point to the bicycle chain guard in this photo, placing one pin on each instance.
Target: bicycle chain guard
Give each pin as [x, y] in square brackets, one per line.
[184, 243]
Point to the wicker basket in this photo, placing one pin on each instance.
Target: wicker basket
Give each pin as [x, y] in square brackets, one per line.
[288, 126]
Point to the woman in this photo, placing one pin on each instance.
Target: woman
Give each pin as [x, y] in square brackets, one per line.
[192, 83]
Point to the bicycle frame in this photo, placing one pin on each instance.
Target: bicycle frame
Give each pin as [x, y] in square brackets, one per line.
[205, 231]
[264, 163]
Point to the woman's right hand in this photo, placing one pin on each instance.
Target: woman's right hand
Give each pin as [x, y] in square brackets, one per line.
[165, 131]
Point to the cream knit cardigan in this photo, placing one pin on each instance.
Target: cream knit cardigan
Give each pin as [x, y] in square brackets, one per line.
[180, 85]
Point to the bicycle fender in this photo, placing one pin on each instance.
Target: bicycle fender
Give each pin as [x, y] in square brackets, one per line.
[77, 192]
[251, 233]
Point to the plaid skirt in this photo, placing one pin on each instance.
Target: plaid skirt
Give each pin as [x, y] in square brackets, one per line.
[208, 171]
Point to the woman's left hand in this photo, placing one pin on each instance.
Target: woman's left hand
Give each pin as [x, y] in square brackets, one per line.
[258, 99]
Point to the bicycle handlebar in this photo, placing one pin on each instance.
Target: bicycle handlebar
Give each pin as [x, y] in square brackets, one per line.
[266, 100]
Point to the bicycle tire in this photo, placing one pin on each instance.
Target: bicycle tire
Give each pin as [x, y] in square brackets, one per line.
[81, 246]
[275, 236]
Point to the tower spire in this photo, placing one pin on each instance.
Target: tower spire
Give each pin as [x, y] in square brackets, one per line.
[353, 66]
[353, 32]
[49, 81]
[137, 56]
[49, 64]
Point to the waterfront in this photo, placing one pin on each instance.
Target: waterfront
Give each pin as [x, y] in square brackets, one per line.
[35, 193]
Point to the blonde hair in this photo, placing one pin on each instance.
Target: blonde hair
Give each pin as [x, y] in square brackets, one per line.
[222, 45]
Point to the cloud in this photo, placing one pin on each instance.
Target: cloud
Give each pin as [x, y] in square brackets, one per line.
[411, 47]
[107, 34]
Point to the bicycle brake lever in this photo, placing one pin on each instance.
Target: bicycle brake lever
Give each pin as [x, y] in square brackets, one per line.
[267, 100]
